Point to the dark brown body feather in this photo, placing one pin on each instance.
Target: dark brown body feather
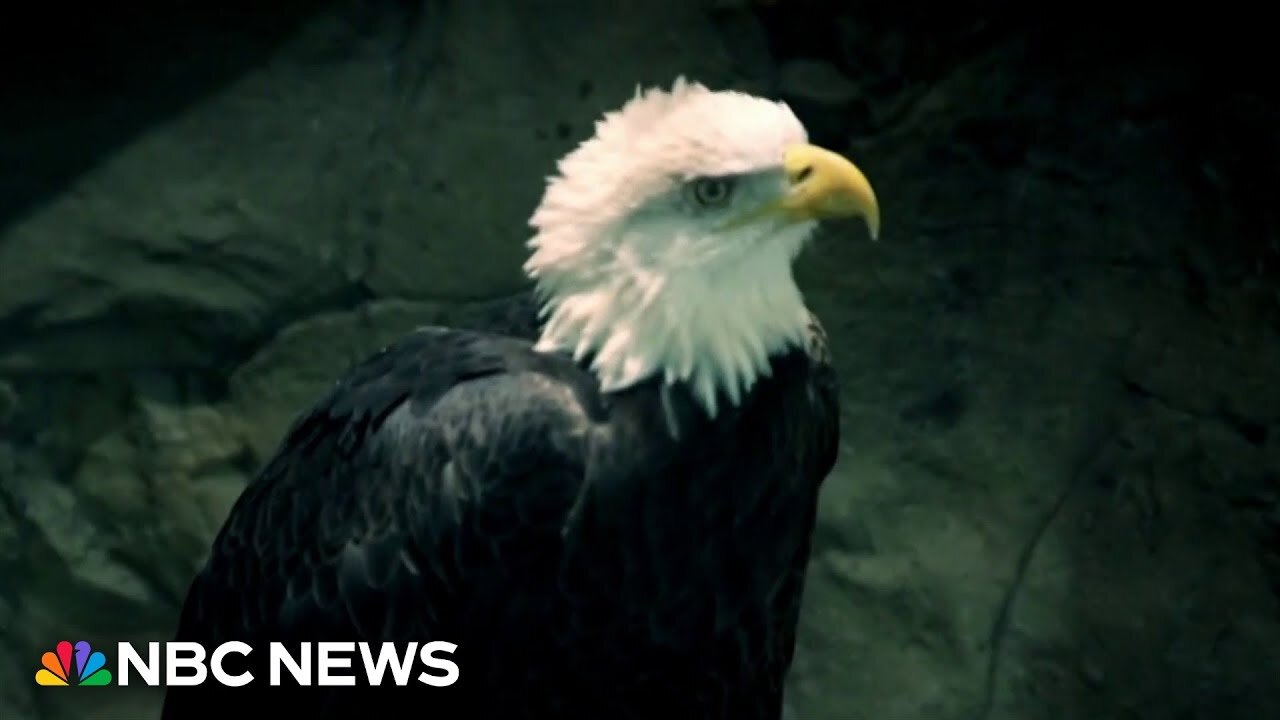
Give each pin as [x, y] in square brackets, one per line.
[459, 487]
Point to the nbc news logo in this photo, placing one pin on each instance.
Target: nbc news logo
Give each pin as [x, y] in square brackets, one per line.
[89, 669]
[187, 663]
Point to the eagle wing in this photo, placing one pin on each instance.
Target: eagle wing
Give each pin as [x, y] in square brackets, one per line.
[449, 449]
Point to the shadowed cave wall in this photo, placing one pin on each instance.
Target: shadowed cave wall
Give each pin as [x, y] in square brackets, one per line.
[1057, 496]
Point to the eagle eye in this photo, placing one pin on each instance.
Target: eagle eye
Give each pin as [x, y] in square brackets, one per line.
[712, 192]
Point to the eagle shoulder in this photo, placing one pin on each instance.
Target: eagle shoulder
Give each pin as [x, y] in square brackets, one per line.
[391, 484]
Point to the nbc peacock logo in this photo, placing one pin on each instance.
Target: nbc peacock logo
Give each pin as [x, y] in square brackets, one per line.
[90, 666]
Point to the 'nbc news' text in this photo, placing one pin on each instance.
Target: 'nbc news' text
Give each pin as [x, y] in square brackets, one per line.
[320, 663]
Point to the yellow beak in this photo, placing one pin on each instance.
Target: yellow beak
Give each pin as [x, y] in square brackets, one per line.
[824, 185]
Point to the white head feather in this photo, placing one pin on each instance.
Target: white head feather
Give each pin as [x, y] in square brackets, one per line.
[636, 269]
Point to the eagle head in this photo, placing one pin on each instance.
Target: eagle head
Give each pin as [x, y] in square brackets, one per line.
[664, 244]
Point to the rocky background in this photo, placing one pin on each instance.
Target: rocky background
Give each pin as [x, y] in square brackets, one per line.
[1059, 495]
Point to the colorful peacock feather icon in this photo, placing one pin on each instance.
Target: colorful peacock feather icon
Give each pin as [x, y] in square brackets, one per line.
[90, 666]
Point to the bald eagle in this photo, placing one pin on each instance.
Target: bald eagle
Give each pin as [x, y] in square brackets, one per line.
[610, 520]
